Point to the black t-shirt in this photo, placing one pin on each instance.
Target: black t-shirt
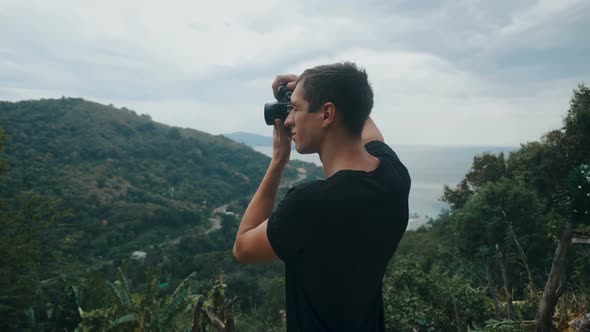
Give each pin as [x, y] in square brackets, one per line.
[336, 237]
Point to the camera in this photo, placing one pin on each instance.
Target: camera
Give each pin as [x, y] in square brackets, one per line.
[280, 109]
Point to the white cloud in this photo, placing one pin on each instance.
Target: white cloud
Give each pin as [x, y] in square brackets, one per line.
[454, 72]
[539, 13]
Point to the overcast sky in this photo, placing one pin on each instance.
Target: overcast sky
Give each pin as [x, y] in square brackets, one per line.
[459, 72]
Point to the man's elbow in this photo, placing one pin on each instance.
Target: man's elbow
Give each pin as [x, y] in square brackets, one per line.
[236, 252]
[239, 253]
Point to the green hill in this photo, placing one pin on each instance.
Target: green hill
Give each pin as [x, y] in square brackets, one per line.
[129, 181]
[87, 185]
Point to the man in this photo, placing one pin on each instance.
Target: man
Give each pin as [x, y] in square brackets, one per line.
[335, 236]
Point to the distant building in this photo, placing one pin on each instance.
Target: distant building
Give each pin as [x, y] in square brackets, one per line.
[138, 255]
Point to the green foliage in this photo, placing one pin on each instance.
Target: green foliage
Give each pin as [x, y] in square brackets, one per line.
[503, 213]
[498, 229]
[124, 311]
[500, 212]
[542, 166]
[36, 244]
[577, 127]
[3, 164]
[505, 325]
[458, 197]
[416, 299]
[578, 185]
[434, 246]
[485, 168]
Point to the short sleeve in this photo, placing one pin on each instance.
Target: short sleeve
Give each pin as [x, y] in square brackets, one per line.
[380, 149]
[383, 151]
[286, 230]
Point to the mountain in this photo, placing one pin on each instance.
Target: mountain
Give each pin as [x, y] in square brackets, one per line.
[91, 188]
[250, 139]
[129, 181]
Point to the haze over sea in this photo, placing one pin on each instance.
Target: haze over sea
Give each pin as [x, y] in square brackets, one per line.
[430, 167]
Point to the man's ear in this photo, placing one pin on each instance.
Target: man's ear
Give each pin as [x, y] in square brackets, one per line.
[328, 113]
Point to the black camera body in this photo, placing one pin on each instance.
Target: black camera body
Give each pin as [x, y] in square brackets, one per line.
[280, 109]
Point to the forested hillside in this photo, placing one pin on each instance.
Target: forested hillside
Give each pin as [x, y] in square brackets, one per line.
[86, 185]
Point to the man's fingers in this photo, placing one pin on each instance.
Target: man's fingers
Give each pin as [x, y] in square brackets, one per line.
[279, 126]
[282, 131]
[284, 79]
[289, 79]
[291, 85]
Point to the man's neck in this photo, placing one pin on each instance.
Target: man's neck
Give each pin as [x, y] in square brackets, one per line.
[345, 153]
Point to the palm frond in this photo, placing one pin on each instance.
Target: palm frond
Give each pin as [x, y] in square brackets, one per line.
[177, 305]
[118, 294]
[123, 320]
[184, 284]
[124, 291]
[153, 278]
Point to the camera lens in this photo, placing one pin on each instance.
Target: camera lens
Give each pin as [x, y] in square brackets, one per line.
[274, 111]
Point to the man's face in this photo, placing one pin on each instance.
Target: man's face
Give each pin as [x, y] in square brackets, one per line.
[305, 127]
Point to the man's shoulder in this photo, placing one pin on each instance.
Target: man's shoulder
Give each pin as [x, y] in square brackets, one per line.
[381, 149]
[308, 195]
[385, 153]
[306, 190]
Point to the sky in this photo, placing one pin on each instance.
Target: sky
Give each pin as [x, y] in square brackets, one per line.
[460, 72]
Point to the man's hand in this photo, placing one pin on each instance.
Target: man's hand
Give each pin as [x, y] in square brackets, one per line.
[281, 134]
[281, 143]
[289, 79]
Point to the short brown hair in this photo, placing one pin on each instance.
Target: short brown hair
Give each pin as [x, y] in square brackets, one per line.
[343, 84]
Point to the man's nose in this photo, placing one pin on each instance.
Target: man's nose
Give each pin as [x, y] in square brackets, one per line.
[289, 120]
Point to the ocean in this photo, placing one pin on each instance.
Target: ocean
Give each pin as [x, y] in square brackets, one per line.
[430, 167]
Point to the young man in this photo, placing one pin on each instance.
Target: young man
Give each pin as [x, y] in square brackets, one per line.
[335, 236]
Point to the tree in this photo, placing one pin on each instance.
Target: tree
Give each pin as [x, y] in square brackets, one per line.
[486, 168]
[458, 197]
[577, 127]
[498, 228]
[579, 196]
[35, 240]
[542, 166]
[418, 299]
[576, 139]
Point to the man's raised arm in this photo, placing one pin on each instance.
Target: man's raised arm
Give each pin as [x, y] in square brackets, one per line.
[371, 132]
